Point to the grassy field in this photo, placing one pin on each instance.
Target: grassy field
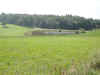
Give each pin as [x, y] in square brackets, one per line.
[22, 52]
[13, 30]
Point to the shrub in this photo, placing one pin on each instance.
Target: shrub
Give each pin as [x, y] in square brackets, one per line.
[82, 30]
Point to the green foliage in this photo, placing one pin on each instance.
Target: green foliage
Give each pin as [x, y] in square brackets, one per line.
[82, 30]
[4, 25]
[50, 21]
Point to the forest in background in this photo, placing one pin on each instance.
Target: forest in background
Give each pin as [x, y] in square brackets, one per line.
[50, 21]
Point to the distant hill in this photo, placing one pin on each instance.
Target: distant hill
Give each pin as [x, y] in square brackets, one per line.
[13, 30]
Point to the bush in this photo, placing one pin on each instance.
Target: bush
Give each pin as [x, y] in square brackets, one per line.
[82, 30]
[77, 32]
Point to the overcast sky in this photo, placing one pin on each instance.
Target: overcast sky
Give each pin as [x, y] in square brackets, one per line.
[86, 8]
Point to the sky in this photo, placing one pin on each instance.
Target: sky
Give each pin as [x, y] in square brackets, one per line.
[84, 8]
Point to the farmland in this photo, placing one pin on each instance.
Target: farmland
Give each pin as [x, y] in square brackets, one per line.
[56, 49]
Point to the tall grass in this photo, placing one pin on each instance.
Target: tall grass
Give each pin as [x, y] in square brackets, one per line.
[48, 69]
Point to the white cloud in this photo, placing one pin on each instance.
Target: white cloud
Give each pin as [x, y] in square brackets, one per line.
[86, 8]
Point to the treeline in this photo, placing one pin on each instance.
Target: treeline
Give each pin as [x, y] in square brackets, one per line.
[50, 21]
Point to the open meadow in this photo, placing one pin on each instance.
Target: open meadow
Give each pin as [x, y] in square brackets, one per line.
[20, 52]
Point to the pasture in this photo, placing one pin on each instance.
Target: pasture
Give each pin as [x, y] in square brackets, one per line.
[21, 52]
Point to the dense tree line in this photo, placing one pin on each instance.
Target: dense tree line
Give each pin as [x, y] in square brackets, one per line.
[50, 21]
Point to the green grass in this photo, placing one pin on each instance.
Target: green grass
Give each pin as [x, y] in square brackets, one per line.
[60, 50]
[13, 30]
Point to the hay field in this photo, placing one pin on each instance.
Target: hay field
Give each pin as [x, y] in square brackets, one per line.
[60, 50]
